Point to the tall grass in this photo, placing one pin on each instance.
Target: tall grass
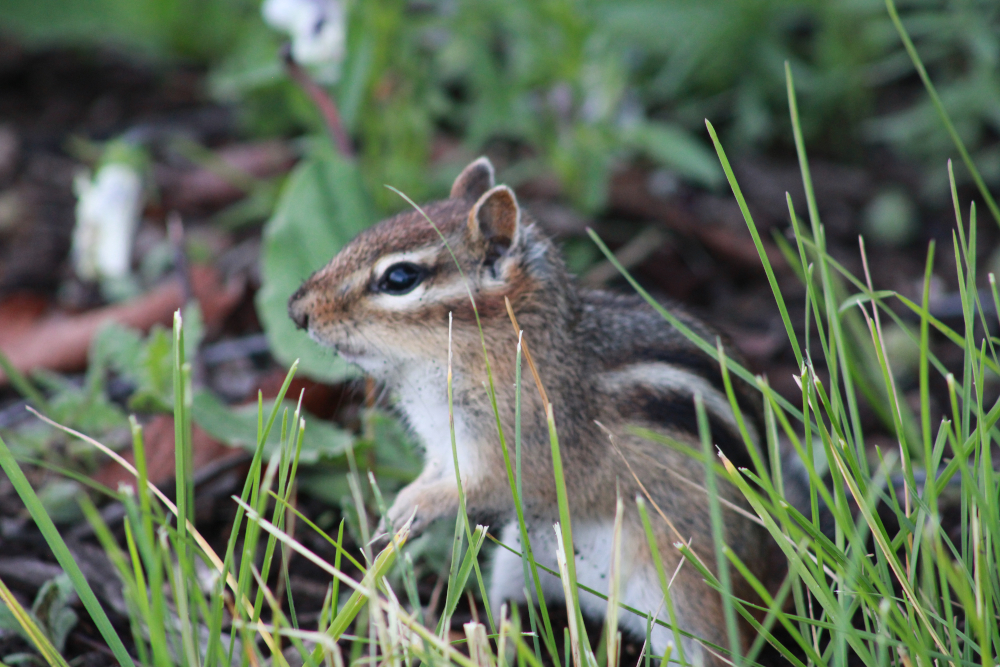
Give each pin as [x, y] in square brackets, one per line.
[863, 591]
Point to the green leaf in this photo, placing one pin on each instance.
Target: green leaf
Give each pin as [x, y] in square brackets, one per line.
[155, 380]
[861, 297]
[194, 329]
[58, 497]
[238, 427]
[675, 148]
[52, 608]
[394, 447]
[8, 621]
[147, 363]
[116, 346]
[322, 207]
[90, 412]
[14, 617]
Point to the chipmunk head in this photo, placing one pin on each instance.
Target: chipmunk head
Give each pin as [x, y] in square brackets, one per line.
[385, 297]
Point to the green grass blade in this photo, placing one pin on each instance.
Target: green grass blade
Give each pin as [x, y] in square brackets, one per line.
[706, 346]
[527, 560]
[911, 50]
[463, 517]
[566, 528]
[27, 622]
[837, 363]
[289, 450]
[461, 576]
[661, 573]
[22, 384]
[748, 442]
[63, 555]
[718, 537]
[527, 557]
[133, 589]
[765, 261]
[881, 539]
[250, 486]
[362, 592]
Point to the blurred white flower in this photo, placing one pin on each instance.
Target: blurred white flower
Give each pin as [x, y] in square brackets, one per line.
[107, 214]
[315, 26]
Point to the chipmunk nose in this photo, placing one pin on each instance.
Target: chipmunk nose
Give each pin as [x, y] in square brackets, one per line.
[298, 308]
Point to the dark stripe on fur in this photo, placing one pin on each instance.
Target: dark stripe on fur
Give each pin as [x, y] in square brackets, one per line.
[704, 366]
[679, 413]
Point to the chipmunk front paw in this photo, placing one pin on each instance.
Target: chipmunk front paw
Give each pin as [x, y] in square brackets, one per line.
[420, 504]
[396, 518]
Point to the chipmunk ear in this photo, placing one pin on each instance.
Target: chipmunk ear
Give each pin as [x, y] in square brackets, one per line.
[474, 180]
[495, 219]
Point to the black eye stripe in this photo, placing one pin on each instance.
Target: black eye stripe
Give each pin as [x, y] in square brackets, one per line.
[401, 278]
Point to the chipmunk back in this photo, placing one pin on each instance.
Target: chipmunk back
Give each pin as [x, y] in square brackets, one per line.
[607, 362]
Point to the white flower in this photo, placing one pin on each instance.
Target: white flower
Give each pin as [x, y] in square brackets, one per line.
[315, 26]
[107, 214]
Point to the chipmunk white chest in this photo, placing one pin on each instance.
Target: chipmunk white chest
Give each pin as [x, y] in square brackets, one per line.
[420, 393]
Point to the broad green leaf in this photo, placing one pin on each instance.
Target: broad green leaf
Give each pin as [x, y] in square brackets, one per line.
[146, 363]
[58, 497]
[52, 607]
[15, 618]
[386, 445]
[238, 427]
[88, 411]
[322, 207]
[8, 621]
[675, 148]
[394, 447]
[156, 391]
[116, 346]
[194, 329]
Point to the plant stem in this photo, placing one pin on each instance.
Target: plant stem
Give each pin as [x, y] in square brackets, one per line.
[327, 107]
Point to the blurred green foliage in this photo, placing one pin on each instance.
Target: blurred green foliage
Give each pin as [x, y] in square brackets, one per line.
[322, 207]
[143, 362]
[237, 427]
[564, 88]
[574, 85]
[52, 611]
[194, 30]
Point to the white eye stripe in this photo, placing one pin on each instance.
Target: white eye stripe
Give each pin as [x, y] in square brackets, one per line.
[412, 300]
[448, 291]
[419, 257]
[420, 296]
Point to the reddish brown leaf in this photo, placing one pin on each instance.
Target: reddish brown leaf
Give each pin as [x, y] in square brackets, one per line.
[60, 342]
[320, 400]
[18, 314]
[202, 187]
[158, 439]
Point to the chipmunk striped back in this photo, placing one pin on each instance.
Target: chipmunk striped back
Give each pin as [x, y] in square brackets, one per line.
[607, 362]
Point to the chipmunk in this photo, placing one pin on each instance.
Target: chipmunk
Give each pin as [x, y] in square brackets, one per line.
[607, 362]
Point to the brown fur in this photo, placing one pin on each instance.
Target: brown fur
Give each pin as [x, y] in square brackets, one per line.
[580, 341]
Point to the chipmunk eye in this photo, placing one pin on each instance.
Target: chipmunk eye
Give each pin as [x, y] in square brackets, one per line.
[400, 278]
